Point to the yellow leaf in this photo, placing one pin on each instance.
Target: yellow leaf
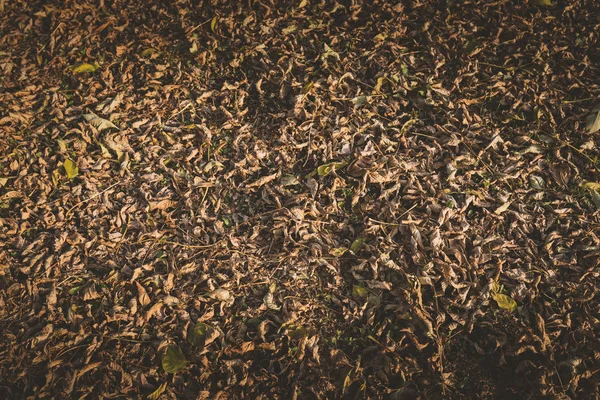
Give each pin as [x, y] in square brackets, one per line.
[591, 185]
[289, 29]
[70, 168]
[544, 2]
[213, 23]
[338, 251]
[148, 52]
[505, 302]
[326, 169]
[156, 394]
[359, 292]
[85, 67]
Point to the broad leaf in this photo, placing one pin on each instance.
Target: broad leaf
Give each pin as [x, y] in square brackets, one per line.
[220, 294]
[98, 122]
[326, 169]
[198, 333]
[537, 182]
[359, 101]
[70, 168]
[85, 68]
[338, 251]
[156, 394]
[357, 244]
[148, 52]
[505, 302]
[297, 332]
[173, 359]
[591, 185]
[359, 292]
[593, 122]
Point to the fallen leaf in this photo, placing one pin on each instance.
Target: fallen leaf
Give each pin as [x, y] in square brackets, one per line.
[143, 297]
[359, 101]
[359, 293]
[98, 122]
[70, 168]
[85, 68]
[156, 394]
[173, 359]
[502, 208]
[505, 302]
[220, 294]
[357, 244]
[338, 251]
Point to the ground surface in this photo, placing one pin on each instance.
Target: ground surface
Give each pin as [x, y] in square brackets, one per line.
[302, 200]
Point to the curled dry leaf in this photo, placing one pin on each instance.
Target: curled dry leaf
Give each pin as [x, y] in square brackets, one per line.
[220, 295]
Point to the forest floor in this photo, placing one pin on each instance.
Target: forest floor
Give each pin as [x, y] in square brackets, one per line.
[305, 199]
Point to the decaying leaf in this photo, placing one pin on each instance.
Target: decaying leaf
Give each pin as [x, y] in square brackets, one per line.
[213, 209]
[143, 297]
[220, 294]
[99, 123]
[593, 122]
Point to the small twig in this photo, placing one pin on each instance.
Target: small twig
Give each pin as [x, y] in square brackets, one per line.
[392, 223]
[93, 197]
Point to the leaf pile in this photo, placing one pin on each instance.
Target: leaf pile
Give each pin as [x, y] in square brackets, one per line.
[299, 199]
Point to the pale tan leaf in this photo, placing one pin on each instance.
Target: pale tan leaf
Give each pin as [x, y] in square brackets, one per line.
[143, 297]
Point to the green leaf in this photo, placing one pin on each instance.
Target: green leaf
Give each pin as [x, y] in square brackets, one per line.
[326, 169]
[297, 332]
[359, 292]
[156, 394]
[198, 333]
[173, 359]
[148, 52]
[338, 251]
[505, 302]
[357, 244]
[75, 289]
[545, 3]
[213, 23]
[359, 101]
[85, 68]
[596, 198]
[70, 168]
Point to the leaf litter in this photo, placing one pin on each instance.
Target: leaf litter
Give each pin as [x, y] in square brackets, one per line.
[310, 200]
